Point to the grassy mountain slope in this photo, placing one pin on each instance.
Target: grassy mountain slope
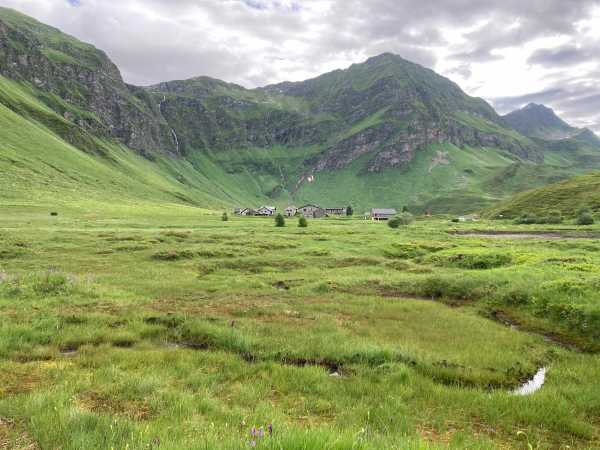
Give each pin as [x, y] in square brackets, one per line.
[567, 196]
[386, 132]
[40, 167]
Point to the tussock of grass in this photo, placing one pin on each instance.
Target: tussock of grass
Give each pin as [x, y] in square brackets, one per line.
[151, 350]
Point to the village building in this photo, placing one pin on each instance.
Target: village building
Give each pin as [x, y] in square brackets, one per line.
[335, 211]
[291, 211]
[266, 211]
[383, 213]
[247, 212]
[312, 211]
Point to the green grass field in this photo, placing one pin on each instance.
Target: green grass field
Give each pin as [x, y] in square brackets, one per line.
[160, 326]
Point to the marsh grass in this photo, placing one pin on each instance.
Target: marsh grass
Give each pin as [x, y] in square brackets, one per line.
[344, 335]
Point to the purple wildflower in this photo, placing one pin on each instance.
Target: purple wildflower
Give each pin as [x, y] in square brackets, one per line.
[270, 428]
[261, 432]
[254, 431]
[252, 443]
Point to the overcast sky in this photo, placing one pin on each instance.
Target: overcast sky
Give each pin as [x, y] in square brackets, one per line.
[509, 52]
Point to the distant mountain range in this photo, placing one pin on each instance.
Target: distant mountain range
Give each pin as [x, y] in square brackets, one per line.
[384, 133]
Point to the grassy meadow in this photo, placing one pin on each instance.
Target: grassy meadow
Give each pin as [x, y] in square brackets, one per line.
[147, 327]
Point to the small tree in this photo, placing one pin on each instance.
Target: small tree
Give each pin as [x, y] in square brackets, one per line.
[554, 217]
[349, 211]
[302, 222]
[585, 218]
[394, 222]
[279, 220]
[224, 217]
[406, 218]
[405, 209]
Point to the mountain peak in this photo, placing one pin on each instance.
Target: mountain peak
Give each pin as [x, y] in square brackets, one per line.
[540, 121]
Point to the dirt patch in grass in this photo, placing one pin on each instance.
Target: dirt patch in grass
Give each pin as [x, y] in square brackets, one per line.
[101, 403]
[13, 438]
[20, 379]
[281, 285]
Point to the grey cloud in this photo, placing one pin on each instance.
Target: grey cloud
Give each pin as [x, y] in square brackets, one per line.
[257, 42]
[565, 55]
[574, 102]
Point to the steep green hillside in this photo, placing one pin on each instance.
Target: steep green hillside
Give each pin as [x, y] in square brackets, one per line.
[567, 196]
[38, 167]
[386, 132]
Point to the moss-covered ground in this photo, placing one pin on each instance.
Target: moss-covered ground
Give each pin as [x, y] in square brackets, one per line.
[164, 327]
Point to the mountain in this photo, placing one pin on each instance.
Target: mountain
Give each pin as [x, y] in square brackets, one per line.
[386, 132]
[541, 122]
[567, 196]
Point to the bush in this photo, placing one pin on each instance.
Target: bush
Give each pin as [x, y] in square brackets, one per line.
[526, 219]
[349, 211]
[279, 220]
[404, 218]
[553, 217]
[302, 222]
[394, 222]
[224, 217]
[585, 218]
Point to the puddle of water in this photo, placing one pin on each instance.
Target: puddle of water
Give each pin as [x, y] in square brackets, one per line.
[534, 384]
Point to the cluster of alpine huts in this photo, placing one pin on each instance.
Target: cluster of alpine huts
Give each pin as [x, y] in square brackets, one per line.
[312, 211]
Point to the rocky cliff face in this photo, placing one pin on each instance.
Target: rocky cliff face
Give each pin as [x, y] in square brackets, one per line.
[383, 111]
[406, 107]
[84, 85]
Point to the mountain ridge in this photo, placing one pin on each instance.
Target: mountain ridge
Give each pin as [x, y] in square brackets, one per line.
[539, 121]
[399, 131]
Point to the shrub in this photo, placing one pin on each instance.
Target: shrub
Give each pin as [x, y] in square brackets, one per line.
[349, 211]
[585, 218]
[526, 219]
[279, 220]
[394, 222]
[224, 217]
[404, 218]
[302, 222]
[553, 217]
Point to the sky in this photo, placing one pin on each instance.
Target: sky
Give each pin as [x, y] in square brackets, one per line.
[510, 52]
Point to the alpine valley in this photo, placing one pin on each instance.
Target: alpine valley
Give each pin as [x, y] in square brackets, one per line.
[385, 132]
